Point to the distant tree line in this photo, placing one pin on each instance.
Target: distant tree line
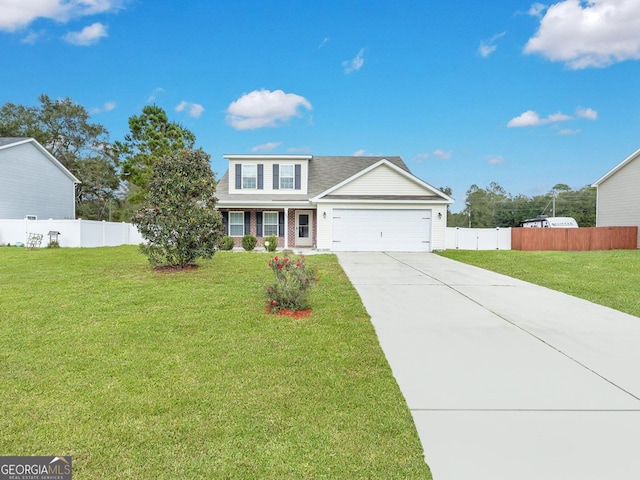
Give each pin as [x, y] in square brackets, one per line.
[494, 207]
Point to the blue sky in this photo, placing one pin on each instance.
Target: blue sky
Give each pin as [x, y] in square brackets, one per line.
[521, 93]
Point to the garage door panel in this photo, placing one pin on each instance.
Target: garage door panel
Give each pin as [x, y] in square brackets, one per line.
[381, 230]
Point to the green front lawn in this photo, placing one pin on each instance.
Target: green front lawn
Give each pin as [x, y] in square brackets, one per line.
[610, 278]
[145, 375]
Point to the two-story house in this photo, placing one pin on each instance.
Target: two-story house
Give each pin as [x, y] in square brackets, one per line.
[33, 183]
[332, 203]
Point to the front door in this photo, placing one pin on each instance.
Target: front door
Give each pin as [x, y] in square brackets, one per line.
[304, 231]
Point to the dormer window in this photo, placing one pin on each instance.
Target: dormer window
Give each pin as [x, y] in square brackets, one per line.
[286, 177]
[249, 176]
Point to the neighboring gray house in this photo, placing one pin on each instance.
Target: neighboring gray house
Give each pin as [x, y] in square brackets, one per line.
[33, 183]
[618, 197]
[332, 203]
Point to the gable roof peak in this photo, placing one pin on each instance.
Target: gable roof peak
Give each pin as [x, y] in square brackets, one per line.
[619, 166]
[5, 141]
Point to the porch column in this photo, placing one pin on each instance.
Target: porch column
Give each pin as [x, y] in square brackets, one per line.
[286, 227]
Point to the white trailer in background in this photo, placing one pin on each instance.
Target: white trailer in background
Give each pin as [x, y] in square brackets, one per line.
[542, 221]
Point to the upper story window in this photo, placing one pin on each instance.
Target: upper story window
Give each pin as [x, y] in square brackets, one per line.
[286, 177]
[250, 176]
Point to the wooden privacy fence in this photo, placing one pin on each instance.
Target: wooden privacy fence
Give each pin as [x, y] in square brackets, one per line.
[595, 238]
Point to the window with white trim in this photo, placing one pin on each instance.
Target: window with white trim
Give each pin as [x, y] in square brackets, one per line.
[236, 224]
[249, 176]
[270, 220]
[286, 177]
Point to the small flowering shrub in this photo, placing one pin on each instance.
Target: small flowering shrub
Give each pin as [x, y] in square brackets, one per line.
[270, 243]
[293, 281]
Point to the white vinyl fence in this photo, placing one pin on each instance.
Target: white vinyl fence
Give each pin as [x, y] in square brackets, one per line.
[73, 233]
[478, 238]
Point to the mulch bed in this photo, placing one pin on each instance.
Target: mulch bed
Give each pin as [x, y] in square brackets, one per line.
[174, 268]
[297, 314]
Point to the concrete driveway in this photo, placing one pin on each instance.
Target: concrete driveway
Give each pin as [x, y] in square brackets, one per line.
[505, 380]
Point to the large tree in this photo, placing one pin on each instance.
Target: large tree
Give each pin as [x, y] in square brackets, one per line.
[179, 219]
[151, 137]
[64, 129]
[488, 207]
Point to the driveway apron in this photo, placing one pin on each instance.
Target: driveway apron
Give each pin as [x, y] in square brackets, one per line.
[505, 379]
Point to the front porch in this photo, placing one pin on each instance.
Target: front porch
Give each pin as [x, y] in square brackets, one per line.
[295, 228]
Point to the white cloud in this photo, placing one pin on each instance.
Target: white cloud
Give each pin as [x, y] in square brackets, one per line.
[421, 157]
[156, 91]
[569, 131]
[355, 63]
[537, 9]
[107, 107]
[581, 34]
[532, 119]
[588, 113]
[18, 14]
[266, 147]
[194, 110]
[87, 36]
[442, 154]
[32, 37]
[323, 42]
[495, 160]
[360, 153]
[264, 108]
[487, 47]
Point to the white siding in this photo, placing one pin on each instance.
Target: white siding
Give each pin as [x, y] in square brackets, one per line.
[619, 198]
[268, 176]
[31, 184]
[381, 181]
[324, 226]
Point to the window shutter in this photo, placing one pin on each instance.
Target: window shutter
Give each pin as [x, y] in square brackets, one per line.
[276, 176]
[298, 176]
[260, 176]
[258, 224]
[238, 176]
[281, 224]
[225, 222]
[247, 223]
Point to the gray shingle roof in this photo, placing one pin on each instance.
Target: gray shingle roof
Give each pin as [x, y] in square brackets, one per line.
[324, 173]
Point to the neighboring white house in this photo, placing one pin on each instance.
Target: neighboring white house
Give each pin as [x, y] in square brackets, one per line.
[618, 199]
[33, 183]
[332, 203]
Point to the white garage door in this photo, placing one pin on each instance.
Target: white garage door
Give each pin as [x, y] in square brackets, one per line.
[375, 230]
